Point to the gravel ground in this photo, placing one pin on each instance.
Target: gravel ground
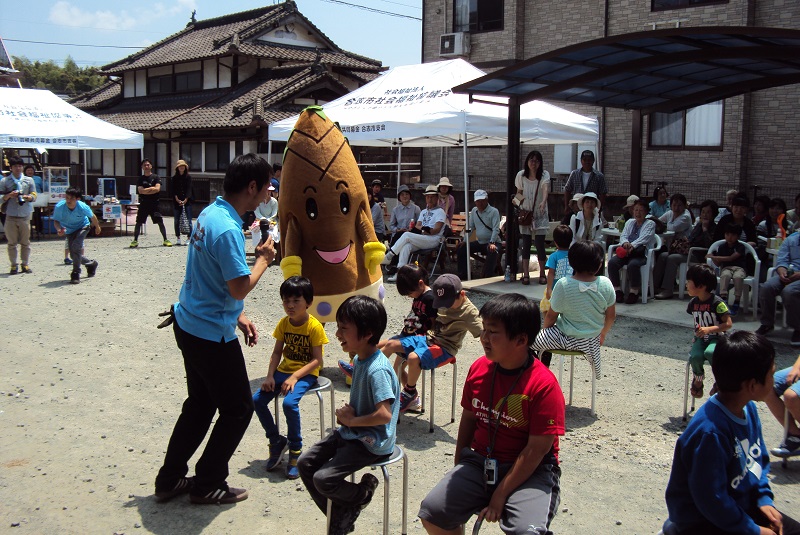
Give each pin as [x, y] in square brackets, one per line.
[90, 390]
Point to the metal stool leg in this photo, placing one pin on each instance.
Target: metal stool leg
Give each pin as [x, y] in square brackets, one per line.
[453, 405]
[333, 410]
[405, 492]
[321, 415]
[385, 500]
[571, 376]
[686, 392]
[560, 368]
[433, 399]
[785, 461]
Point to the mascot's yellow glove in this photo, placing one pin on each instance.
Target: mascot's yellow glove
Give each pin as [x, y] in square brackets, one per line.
[374, 252]
[291, 266]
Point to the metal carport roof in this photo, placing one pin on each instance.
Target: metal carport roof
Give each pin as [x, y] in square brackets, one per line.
[651, 71]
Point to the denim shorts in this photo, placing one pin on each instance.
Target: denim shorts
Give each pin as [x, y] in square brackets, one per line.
[781, 385]
[430, 356]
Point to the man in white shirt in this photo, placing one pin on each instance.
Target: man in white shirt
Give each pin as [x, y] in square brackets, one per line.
[430, 226]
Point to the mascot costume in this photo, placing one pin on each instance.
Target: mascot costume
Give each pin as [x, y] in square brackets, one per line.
[326, 224]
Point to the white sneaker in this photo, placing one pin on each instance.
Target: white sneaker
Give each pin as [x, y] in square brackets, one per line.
[178, 241]
[415, 405]
[388, 258]
[392, 278]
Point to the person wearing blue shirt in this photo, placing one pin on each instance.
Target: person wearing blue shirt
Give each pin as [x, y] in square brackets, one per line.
[719, 482]
[368, 422]
[73, 218]
[209, 309]
[785, 282]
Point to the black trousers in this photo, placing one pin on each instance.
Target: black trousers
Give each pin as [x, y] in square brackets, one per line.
[216, 380]
[489, 266]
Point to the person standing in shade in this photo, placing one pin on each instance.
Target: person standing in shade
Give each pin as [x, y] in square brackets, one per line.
[585, 179]
[181, 193]
[149, 188]
[17, 192]
[73, 218]
[205, 318]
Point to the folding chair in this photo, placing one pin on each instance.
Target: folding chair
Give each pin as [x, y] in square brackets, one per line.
[425, 253]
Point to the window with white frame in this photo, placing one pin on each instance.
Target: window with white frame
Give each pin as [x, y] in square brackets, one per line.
[477, 15]
[695, 128]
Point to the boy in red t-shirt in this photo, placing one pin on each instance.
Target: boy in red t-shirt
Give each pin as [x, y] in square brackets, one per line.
[506, 458]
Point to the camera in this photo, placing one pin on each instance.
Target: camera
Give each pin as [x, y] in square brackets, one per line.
[19, 198]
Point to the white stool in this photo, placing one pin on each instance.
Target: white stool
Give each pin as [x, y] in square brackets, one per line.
[433, 394]
[397, 455]
[323, 383]
[572, 354]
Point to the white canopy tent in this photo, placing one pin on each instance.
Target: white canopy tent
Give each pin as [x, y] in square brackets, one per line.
[36, 118]
[414, 106]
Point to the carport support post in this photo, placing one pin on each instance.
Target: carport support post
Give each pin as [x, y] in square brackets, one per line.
[466, 201]
[636, 153]
[512, 235]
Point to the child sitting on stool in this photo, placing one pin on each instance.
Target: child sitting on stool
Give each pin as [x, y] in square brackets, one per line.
[582, 307]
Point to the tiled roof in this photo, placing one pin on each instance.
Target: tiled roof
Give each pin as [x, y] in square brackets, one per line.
[218, 108]
[233, 33]
[102, 96]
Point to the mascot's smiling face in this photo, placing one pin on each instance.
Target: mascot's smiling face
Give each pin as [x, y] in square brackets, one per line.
[329, 204]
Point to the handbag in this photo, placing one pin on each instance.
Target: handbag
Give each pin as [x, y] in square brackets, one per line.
[184, 225]
[679, 246]
[525, 218]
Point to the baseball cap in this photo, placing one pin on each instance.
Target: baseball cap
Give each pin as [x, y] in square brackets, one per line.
[480, 194]
[445, 290]
[632, 199]
[377, 182]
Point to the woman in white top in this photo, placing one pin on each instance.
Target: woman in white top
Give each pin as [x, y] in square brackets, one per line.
[533, 185]
[581, 230]
[679, 221]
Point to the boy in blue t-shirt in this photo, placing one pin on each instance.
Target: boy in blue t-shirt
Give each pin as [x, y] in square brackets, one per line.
[73, 218]
[293, 369]
[557, 263]
[368, 422]
[719, 480]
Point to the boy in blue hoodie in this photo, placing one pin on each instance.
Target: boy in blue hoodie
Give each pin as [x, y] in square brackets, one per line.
[719, 473]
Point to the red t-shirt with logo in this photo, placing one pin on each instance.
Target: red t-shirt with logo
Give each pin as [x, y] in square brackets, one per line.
[535, 407]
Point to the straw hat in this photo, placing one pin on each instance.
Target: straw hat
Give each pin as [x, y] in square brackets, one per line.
[432, 190]
[181, 163]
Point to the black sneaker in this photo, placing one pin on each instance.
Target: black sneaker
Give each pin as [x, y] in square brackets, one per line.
[276, 452]
[789, 447]
[796, 338]
[75, 278]
[221, 495]
[183, 486]
[343, 519]
[369, 483]
[91, 269]
[546, 357]
[764, 329]
[620, 296]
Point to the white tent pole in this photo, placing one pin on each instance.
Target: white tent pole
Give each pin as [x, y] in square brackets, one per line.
[399, 162]
[269, 151]
[85, 174]
[466, 198]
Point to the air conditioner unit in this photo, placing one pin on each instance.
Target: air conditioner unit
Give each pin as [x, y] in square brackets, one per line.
[454, 44]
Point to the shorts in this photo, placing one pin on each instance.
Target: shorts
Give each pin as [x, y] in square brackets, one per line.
[781, 385]
[461, 493]
[430, 356]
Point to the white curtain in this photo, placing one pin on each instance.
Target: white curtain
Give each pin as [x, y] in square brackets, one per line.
[461, 8]
[704, 125]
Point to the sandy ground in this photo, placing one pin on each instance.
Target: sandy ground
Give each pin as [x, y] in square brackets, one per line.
[90, 390]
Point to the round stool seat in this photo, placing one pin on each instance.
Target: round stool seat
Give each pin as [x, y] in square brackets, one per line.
[323, 383]
[396, 455]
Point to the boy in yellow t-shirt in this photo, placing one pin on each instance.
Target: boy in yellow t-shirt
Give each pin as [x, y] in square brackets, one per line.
[299, 338]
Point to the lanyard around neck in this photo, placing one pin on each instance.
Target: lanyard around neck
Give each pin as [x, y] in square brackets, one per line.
[493, 434]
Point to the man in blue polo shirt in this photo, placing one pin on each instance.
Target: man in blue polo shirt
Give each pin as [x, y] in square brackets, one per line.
[206, 315]
[73, 217]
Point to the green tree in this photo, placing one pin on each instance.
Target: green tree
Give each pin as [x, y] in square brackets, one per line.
[69, 79]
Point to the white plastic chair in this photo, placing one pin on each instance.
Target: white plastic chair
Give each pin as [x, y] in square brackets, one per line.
[646, 270]
[751, 281]
[778, 299]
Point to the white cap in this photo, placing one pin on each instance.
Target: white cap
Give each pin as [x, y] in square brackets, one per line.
[480, 194]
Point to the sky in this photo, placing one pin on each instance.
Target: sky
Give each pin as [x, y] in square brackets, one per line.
[138, 23]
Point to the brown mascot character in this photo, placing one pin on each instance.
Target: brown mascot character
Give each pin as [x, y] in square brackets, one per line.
[326, 224]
